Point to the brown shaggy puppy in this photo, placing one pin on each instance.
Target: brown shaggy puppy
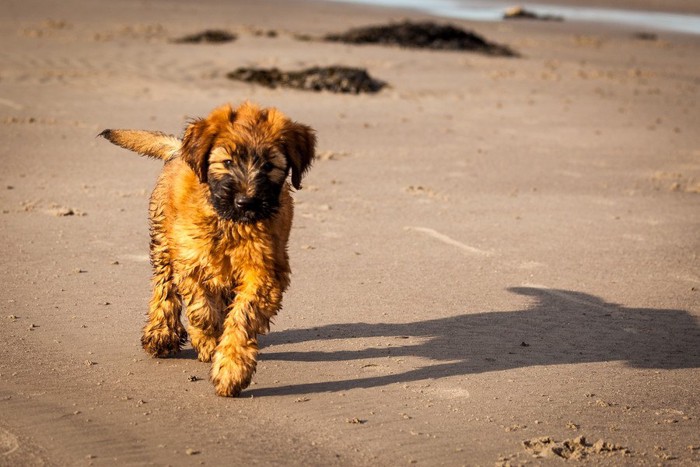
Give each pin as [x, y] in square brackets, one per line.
[220, 217]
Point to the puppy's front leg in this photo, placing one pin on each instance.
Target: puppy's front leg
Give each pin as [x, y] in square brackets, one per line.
[163, 334]
[248, 315]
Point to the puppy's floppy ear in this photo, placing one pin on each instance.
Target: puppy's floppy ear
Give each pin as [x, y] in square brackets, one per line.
[196, 144]
[199, 138]
[299, 145]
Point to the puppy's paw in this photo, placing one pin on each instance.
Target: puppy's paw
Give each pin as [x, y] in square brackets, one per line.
[204, 345]
[229, 376]
[162, 342]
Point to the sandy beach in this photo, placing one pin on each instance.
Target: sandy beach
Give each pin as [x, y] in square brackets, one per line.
[492, 256]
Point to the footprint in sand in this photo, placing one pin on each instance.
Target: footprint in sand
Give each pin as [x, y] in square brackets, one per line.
[425, 192]
[8, 442]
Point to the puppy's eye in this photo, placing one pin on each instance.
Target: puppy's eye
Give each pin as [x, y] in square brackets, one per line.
[228, 163]
[268, 166]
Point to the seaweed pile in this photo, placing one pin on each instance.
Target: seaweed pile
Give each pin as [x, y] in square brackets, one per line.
[211, 36]
[422, 35]
[338, 79]
[518, 12]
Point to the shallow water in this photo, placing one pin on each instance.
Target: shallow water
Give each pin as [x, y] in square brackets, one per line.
[484, 10]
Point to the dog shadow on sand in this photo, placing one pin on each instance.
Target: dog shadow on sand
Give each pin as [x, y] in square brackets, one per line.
[560, 327]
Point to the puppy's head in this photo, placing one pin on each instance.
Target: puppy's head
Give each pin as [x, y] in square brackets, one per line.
[245, 155]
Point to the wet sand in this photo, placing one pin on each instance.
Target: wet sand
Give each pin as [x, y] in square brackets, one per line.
[670, 6]
[488, 251]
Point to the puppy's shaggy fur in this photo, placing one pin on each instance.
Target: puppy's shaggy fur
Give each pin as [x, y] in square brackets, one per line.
[220, 217]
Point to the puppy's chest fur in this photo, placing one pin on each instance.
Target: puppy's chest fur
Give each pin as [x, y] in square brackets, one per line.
[218, 253]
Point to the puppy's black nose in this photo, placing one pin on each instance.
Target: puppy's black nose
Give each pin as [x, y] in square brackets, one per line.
[244, 203]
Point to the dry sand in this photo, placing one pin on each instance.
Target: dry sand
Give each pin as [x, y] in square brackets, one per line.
[492, 250]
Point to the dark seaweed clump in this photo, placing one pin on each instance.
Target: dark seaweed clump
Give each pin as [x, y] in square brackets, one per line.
[337, 79]
[645, 36]
[518, 12]
[421, 35]
[211, 36]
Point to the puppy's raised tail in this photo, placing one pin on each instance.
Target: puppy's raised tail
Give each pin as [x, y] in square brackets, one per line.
[147, 143]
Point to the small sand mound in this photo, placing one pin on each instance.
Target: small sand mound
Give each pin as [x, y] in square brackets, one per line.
[421, 35]
[337, 79]
[575, 449]
[210, 36]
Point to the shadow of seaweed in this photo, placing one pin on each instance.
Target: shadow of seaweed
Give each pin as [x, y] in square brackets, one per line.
[560, 327]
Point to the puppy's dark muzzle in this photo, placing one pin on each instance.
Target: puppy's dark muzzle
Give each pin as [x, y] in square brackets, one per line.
[246, 203]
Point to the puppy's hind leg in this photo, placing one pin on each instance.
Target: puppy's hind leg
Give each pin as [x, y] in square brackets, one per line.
[204, 316]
